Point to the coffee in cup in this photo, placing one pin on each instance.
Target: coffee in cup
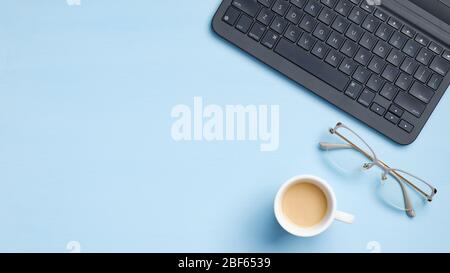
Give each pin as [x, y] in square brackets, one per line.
[305, 204]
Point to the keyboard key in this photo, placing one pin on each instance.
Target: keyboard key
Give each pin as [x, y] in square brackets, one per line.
[446, 55]
[362, 74]
[366, 97]
[349, 48]
[421, 92]
[280, 7]
[298, 3]
[411, 48]
[435, 48]
[267, 3]
[251, 7]
[395, 57]
[371, 23]
[327, 16]
[257, 31]
[425, 56]
[376, 108]
[377, 65]
[367, 7]
[404, 81]
[408, 127]
[423, 74]
[322, 32]
[265, 16]
[293, 33]
[312, 64]
[334, 58]
[435, 81]
[279, 24]
[340, 24]
[381, 15]
[320, 50]
[363, 56]
[329, 3]
[368, 41]
[344, 7]
[389, 92]
[335, 40]
[398, 40]
[307, 41]
[382, 49]
[294, 15]
[409, 66]
[395, 23]
[354, 32]
[270, 39]
[390, 73]
[384, 32]
[244, 23]
[353, 90]
[396, 110]
[375, 83]
[348, 66]
[440, 65]
[392, 118]
[231, 16]
[410, 104]
[357, 15]
[408, 31]
[313, 8]
[422, 39]
[308, 23]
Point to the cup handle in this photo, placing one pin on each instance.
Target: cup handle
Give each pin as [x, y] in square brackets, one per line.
[344, 217]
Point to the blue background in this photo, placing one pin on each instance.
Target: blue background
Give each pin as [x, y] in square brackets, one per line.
[86, 152]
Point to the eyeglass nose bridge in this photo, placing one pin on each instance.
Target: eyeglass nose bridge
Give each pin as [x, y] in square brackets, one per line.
[385, 171]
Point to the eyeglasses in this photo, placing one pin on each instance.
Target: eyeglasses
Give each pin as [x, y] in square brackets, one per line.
[398, 188]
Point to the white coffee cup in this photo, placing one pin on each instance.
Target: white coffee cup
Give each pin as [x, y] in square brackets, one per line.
[331, 214]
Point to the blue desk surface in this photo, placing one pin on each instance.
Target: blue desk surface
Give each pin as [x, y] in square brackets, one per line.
[86, 152]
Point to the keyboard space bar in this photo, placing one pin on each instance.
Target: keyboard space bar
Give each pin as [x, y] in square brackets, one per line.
[312, 64]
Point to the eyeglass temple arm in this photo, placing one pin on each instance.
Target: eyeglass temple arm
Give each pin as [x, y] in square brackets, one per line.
[407, 201]
[334, 146]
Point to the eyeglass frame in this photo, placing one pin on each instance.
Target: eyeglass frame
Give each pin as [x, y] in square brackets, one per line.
[382, 165]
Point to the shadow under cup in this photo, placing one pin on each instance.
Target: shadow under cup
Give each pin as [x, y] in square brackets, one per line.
[289, 225]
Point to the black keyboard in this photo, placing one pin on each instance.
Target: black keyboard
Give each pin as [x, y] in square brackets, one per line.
[359, 57]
